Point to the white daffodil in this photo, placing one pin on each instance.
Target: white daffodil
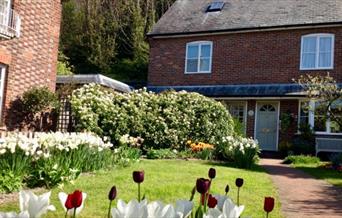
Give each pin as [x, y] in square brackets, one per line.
[133, 209]
[23, 214]
[230, 210]
[63, 197]
[184, 207]
[35, 205]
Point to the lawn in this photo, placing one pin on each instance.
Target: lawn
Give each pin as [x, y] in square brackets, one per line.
[316, 170]
[167, 180]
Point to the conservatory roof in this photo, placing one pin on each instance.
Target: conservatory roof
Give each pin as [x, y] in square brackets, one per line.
[246, 90]
[94, 78]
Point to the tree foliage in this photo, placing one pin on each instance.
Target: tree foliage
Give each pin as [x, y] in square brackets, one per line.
[325, 90]
[109, 36]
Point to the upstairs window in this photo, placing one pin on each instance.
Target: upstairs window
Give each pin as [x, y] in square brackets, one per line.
[317, 52]
[198, 57]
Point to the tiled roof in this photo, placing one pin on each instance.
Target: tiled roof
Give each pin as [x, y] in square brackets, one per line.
[189, 16]
[250, 90]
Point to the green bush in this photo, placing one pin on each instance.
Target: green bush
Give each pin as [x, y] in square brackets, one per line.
[14, 166]
[301, 159]
[161, 154]
[165, 120]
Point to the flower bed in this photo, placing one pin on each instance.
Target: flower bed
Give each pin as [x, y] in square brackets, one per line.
[210, 205]
[49, 159]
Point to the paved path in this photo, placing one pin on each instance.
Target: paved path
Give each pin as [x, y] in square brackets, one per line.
[302, 195]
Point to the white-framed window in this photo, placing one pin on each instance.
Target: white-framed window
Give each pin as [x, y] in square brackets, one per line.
[5, 8]
[317, 52]
[238, 110]
[198, 57]
[318, 118]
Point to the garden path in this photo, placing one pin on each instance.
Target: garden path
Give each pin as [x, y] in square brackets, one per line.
[301, 195]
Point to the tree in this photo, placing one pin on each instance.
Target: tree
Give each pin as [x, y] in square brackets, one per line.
[109, 36]
[325, 90]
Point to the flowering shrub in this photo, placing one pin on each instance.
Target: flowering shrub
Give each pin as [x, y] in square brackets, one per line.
[165, 120]
[50, 158]
[243, 151]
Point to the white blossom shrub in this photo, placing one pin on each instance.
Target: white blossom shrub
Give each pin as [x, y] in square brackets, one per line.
[242, 151]
[50, 159]
[165, 120]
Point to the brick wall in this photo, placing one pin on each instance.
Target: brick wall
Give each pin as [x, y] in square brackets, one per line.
[31, 58]
[241, 58]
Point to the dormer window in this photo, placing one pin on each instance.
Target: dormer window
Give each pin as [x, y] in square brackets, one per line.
[215, 6]
[198, 57]
[317, 52]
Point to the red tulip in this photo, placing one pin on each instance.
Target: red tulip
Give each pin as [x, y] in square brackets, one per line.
[138, 176]
[268, 204]
[226, 189]
[77, 199]
[202, 185]
[74, 200]
[68, 203]
[212, 201]
[212, 173]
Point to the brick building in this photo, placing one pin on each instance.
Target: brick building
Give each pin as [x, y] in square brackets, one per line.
[246, 54]
[29, 37]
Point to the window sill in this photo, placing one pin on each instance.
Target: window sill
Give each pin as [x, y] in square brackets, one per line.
[197, 72]
[315, 69]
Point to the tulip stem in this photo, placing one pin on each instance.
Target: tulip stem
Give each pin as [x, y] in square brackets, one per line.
[266, 214]
[74, 212]
[66, 213]
[238, 196]
[139, 192]
[110, 206]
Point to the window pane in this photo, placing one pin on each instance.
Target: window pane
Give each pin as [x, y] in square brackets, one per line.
[309, 44]
[325, 44]
[192, 65]
[205, 51]
[336, 117]
[320, 117]
[324, 60]
[205, 64]
[192, 51]
[304, 113]
[309, 60]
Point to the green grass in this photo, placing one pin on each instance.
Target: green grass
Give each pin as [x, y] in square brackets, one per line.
[332, 176]
[167, 180]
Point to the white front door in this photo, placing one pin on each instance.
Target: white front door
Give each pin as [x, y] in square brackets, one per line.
[266, 128]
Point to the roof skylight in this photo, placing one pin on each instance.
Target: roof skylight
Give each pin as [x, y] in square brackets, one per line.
[215, 6]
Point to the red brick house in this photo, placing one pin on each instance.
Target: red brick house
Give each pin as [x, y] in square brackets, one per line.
[246, 54]
[29, 37]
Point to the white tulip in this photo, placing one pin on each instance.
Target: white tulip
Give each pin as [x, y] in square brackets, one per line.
[229, 210]
[63, 197]
[133, 209]
[184, 207]
[35, 205]
[23, 214]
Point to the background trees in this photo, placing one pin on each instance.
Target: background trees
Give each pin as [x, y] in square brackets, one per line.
[109, 36]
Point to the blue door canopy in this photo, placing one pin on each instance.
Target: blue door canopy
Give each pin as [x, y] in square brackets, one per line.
[245, 90]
